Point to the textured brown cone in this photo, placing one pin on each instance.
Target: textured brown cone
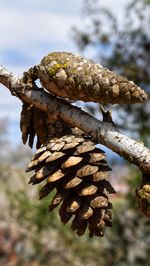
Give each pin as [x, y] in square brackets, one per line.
[36, 123]
[69, 164]
[26, 124]
[33, 122]
[143, 199]
[71, 76]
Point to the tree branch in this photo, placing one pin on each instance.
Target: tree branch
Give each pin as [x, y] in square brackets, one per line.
[104, 132]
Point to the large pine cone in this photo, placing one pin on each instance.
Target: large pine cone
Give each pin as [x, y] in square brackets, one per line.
[77, 170]
[76, 78]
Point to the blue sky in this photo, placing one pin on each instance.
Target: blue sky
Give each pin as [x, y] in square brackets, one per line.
[29, 30]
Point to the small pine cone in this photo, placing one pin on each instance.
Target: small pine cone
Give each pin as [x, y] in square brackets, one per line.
[36, 123]
[78, 171]
[143, 199]
[72, 76]
[33, 122]
[26, 124]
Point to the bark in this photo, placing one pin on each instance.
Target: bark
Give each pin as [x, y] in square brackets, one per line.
[104, 132]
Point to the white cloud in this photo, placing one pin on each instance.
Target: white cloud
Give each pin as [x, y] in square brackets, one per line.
[66, 7]
[32, 32]
[30, 29]
[35, 27]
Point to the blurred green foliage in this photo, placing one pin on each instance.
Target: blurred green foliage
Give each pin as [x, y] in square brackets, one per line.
[122, 45]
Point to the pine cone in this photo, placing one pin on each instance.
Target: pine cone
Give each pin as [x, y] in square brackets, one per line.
[26, 124]
[35, 123]
[72, 76]
[143, 199]
[78, 171]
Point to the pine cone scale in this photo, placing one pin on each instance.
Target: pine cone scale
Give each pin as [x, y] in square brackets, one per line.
[71, 182]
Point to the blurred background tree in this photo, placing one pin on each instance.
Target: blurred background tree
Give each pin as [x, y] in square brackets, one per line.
[124, 46]
[31, 236]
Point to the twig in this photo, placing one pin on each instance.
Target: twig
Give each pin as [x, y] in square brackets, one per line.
[104, 132]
